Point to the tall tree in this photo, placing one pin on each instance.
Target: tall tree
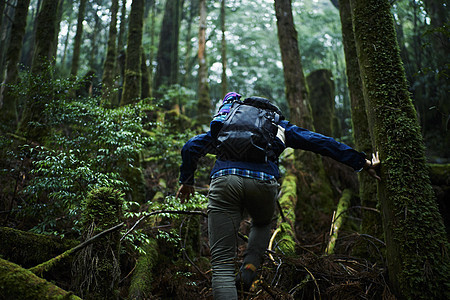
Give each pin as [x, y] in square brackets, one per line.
[223, 49]
[204, 101]
[167, 56]
[109, 70]
[33, 124]
[416, 244]
[78, 38]
[132, 86]
[313, 186]
[8, 101]
[5, 28]
[371, 220]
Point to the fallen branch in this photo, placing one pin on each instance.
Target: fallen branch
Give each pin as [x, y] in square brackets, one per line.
[183, 212]
[46, 266]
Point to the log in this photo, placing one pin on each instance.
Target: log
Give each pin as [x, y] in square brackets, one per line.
[19, 283]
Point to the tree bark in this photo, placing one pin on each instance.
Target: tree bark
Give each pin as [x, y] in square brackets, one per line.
[109, 95]
[204, 100]
[313, 185]
[371, 220]
[8, 101]
[417, 247]
[132, 86]
[321, 95]
[33, 124]
[78, 35]
[167, 56]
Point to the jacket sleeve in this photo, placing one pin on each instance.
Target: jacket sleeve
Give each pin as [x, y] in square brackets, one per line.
[300, 138]
[192, 151]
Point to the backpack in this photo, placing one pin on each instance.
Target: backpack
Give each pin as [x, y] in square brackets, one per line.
[249, 130]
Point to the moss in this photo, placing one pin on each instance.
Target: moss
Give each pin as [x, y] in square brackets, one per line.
[141, 282]
[30, 249]
[96, 265]
[19, 283]
[371, 220]
[418, 265]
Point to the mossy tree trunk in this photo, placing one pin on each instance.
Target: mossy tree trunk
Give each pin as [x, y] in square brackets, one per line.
[204, 100]
[8, 110]
[371, 220]
[109, 94]
[314, 187]
[97, 266]
[78, 38]
[167, 56]
[321, 96]
[19, 283]
[417, 248]
[132, 85]
[141, 282]
[33, 124]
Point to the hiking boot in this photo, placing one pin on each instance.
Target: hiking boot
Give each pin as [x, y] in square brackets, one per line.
[245, 277]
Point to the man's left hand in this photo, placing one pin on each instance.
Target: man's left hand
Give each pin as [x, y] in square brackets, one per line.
[185, 192]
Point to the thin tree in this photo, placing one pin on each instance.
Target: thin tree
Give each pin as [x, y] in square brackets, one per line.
[132, 85]
[371, 220]
[33, 124]
[167, 56]
[8, 101]
[223, 49]
[313, 185]
[109, 70]
[416, 243]
[78, 40]
[204, 101]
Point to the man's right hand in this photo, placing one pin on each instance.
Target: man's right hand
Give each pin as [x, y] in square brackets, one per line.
[371, 166]
[185, 192]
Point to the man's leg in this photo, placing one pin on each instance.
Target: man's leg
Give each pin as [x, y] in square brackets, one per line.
[224, 215]
[260, 197]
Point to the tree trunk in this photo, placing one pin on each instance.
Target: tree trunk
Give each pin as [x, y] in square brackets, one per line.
[58, 28]
[97, 265]
[204, 100]
[321, 95]
[417, 247]
[188, 59]
[5, 28]
[78, 35]
[33, 124]
[8, 101]
[371, 220]
[167, 57]
[132, 86]
[109, 95]
[314, 186]
[224, 49]
[19, 283]
[94, 42]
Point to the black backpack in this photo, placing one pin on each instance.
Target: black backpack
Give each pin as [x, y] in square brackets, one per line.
[249, 131]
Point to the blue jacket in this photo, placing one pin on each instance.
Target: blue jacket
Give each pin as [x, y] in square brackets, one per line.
[289, 135]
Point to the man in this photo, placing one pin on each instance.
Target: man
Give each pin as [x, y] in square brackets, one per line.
[240, 182]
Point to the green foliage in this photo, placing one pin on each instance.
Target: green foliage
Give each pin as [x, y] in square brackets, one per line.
[88, 147]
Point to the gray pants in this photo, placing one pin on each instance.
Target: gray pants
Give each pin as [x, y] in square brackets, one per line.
[228, 197]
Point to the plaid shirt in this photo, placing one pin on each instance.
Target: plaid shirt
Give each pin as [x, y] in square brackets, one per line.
[244, 173]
